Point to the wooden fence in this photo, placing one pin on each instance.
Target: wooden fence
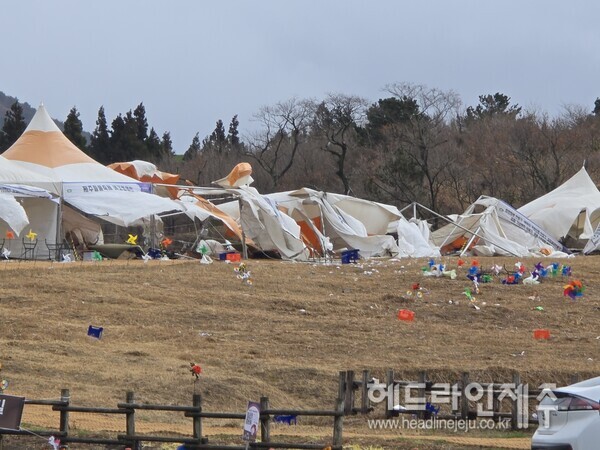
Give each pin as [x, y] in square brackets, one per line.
[195, 440]
[351, 389]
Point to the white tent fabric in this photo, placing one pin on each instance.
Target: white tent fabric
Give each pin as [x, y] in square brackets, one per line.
[15, 173]
[502, 229]
[79, 227]
[267, 226]
[118, 203]
[12, 213]
[343, 230]
[413, 240]
[376, 217]
[571, 210]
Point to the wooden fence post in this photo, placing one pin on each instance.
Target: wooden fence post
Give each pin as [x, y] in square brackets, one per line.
[130, 420]
[197, 420]
[575, 378]
[464, 401]
[342, 385]
[338, 424]
[389, 381]
[514, 414]
[364, 396]
[349, 396]
[65, 396]
[265, 420]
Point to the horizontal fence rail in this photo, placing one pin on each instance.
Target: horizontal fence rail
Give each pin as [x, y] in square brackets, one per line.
[196, 440]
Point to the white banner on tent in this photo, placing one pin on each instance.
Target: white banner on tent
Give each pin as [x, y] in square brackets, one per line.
[510, 214]
[91, 188]
[594, 241]
[18, 190]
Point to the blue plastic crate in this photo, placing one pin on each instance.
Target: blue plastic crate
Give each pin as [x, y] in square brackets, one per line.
[350, 256]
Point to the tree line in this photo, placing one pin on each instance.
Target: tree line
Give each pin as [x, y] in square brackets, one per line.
[415, 144]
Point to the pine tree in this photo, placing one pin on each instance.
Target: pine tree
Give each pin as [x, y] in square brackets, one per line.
[193, 150]
[99, 148]
[167, 144]
[218, 137]
[73, 129]
[141, 122]
[233, 137]
[14, 126]
[153, 146]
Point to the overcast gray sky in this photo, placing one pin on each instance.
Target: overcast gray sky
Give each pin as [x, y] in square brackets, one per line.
[193, 62]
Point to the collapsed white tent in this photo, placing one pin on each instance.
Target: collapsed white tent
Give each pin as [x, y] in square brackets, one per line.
[269, 228]
[492, 227]
[342, 229]
[54, 163]
[570, 212]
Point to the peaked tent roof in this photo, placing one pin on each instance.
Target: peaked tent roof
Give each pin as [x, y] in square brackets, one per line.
[572, 209]
[45, 150]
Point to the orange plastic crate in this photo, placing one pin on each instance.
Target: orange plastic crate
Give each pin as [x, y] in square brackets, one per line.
[406, 315]
[233, 257]
[541, 334]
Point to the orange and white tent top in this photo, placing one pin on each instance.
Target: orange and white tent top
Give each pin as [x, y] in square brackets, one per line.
[144, 171]
[44, 149]
[240, 175]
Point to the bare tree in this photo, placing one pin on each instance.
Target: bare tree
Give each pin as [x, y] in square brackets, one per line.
[335, 121]
[420, 147]
[283, 131]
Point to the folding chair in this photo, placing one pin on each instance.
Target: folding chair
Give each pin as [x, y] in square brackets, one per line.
[54, 250]
[29, 249]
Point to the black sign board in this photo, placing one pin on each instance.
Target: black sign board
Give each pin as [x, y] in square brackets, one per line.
[11, 410]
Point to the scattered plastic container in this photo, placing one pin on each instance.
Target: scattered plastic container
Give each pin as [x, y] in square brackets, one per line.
[541, 334]
[406, 314]
[233, 257]
[350, 256]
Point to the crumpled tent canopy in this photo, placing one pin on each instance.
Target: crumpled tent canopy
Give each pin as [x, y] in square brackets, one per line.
[492, 227]
[148, 173]
[240, 175]
[83, 182]
[571, 210]
[267, 226]
[342, 229]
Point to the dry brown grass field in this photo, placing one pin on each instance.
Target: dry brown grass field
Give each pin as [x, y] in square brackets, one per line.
[286, 336]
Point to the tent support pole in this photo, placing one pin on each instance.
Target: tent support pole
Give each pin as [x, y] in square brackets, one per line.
[470, 242]
[244, 248]
[59, 235]
[464, 229]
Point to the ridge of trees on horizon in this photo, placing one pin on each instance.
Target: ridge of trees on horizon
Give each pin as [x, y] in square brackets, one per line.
[416, 144]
